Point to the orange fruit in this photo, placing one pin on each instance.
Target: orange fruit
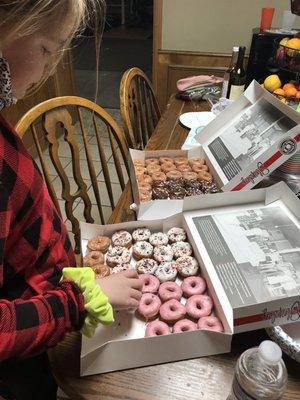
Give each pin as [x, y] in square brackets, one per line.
[293, 43]
[288, 86]
[290, 92]
[279, 91]
[298, 95]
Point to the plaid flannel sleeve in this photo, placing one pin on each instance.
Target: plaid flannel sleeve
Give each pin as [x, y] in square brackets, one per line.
[36, 308]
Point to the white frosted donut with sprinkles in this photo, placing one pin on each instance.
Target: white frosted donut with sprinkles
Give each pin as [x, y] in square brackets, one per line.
[159, 239]
[176, 235]
[181, 249]
[187, 266]
[167, 271]
[121, 268]
[141, 250]
[163, 253]
[121, 238]
[117, 255]
[146, 266]
[141, 234]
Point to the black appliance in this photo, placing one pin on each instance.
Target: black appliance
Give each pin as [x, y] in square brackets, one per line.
[262, 61]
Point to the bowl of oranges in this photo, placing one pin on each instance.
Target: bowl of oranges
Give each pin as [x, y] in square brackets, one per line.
[288, 54]
[288, 93]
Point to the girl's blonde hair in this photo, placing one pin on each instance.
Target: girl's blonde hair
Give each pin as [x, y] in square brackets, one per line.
[19, 18]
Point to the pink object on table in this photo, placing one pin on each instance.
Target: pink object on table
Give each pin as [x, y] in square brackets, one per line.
[199, 81]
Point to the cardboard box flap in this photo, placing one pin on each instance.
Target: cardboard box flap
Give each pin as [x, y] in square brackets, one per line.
[251, 252]
[251, 138]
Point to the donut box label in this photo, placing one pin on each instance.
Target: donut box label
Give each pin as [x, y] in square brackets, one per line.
[250, 249]
[124, 345]
[251, 138]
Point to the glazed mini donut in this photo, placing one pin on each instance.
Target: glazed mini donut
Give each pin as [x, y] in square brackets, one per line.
[138, 163]
[140, 170]
[199, 168]
[150, 283]
[210, 323]
[163, 254]
[146, 266]
[159, 239]
[189, 176]
[163, 160]
[181, 160]
[141, 234]
[172, 311]
[193, 285]
[196, 160]
[92, 258]
[149, 305]
[99, 243]
[157, 328]
[153, 169]
[152, 160]
[184, 168]
[204, 176]
[120, 268]
[181, 249]
[199, 306]
[158, 177]
[117, 255]
[101, 270]
[176, 235]
[167, 167]
[145, 195]
[169, 290]
[187, 266]
[121, 238]
[142, 249]
[145, 179]
[144, 186]
[166, 271]
[173, 175]
[184, 325]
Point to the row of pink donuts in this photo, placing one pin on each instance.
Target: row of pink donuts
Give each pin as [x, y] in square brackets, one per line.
[159, 328]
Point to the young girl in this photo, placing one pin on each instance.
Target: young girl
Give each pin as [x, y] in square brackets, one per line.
[40, 298]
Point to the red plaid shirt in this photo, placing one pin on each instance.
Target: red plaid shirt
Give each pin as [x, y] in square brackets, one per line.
[36, 310]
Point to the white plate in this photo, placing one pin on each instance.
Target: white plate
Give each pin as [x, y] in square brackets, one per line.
[195, 119]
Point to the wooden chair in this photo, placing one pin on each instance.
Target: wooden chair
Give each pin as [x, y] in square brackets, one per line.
[139, 107]
[70, 124]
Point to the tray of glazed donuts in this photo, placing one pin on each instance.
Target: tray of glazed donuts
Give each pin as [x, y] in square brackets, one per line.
[175, 297]
[161, 178]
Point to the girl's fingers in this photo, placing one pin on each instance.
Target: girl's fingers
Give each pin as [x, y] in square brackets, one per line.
[133, 304]
[136, 294]
[130, 273]
[136, 284]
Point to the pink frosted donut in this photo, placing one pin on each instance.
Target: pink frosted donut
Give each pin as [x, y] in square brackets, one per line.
[193, 285]
[150, 283]
[210, 324]
[169, 290]
[172, 311]
[199, 306]
[157, 328]
[184, 325]
[149, 305]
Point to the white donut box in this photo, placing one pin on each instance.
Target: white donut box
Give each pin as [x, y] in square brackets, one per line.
[123, 345]
[242, 145]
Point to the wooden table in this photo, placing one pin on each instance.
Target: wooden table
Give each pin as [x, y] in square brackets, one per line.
[207, 378]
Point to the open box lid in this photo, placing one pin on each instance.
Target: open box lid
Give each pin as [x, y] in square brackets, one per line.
[249, 247]
[251, 138]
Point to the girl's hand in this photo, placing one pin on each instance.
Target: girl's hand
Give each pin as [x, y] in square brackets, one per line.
[123, 289]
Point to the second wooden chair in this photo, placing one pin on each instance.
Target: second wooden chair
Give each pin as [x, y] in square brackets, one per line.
[75, 129]
[139, 107]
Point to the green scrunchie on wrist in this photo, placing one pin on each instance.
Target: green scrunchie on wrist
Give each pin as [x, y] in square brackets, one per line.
[96, 302]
